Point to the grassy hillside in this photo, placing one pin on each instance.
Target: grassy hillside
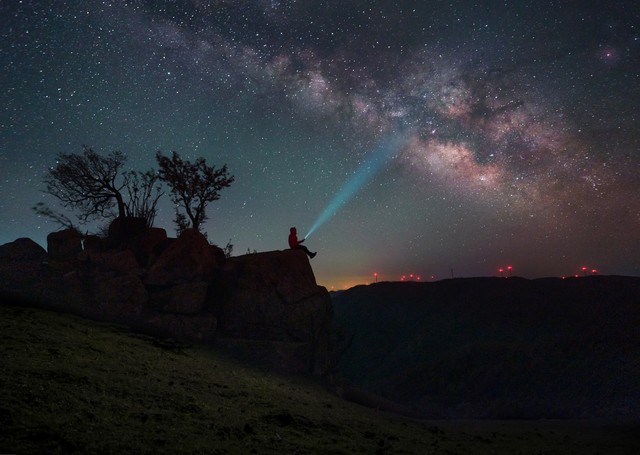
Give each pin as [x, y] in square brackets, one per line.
[69, 385]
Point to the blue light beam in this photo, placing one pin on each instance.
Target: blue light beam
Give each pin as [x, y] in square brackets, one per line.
[381, 154]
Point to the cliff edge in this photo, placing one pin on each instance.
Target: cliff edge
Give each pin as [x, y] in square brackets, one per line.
[264, 307]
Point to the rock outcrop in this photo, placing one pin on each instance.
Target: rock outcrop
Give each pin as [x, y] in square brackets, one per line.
[23, 266]
[22, 250]
[64, 245]
[187, 260]
[273, 305]
[263, 307]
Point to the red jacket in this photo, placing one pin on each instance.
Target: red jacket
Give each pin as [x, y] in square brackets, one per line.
[293, 240]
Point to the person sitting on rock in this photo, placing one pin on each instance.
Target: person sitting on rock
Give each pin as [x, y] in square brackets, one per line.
[296, 244]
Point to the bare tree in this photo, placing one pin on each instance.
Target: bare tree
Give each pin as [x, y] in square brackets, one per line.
[193, 186]
[228, 249]
[87, 183]
[41, 209]
[93, 185]
[143, 191]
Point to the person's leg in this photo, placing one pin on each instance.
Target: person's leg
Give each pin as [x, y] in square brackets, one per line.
[306, 250]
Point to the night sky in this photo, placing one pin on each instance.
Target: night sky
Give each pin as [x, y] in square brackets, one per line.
[484, 134]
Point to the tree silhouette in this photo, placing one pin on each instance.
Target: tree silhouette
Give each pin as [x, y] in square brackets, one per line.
[143, 192]
[87, 183]
[41, 209]
[93, 185]
[193, 186]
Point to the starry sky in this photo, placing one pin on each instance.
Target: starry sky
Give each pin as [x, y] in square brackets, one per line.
[519, 123]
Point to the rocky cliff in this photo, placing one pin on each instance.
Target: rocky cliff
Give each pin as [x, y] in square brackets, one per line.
[265, 307]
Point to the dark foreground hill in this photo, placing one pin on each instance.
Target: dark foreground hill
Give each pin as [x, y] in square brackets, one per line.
[69, 385]
[497, 348]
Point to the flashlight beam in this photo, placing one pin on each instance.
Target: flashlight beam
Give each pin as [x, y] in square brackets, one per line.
[381, 154]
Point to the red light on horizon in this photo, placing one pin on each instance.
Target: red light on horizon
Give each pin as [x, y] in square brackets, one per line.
[586, 270]
[412, 277]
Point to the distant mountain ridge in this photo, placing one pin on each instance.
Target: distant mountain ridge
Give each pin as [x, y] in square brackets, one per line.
[497, 347]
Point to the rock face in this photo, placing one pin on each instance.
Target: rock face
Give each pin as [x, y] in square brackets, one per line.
[189, 259]
[64, 245]
[23, 263]
[22, 250]
[264, 307]
[273, 299]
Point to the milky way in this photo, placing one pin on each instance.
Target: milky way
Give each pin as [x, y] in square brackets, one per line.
[524, 133]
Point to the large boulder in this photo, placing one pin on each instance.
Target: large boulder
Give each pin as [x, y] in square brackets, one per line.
[64, 246]
[22, 269]
[132, 233]
[93, 243]
[274, 297]
[150, 245]
[190, 258]
[126, 227]
[185, 298]
[121, 298]
[108, 264]
[22, 250]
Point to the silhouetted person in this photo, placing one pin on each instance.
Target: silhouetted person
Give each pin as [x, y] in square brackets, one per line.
[296, 244]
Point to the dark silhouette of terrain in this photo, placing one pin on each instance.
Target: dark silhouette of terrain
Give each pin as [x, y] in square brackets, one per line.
[496, 347]
[476, 348]
[266, 307]
[70, 385]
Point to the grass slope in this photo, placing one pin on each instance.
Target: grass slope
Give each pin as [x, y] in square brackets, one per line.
[68, 385]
